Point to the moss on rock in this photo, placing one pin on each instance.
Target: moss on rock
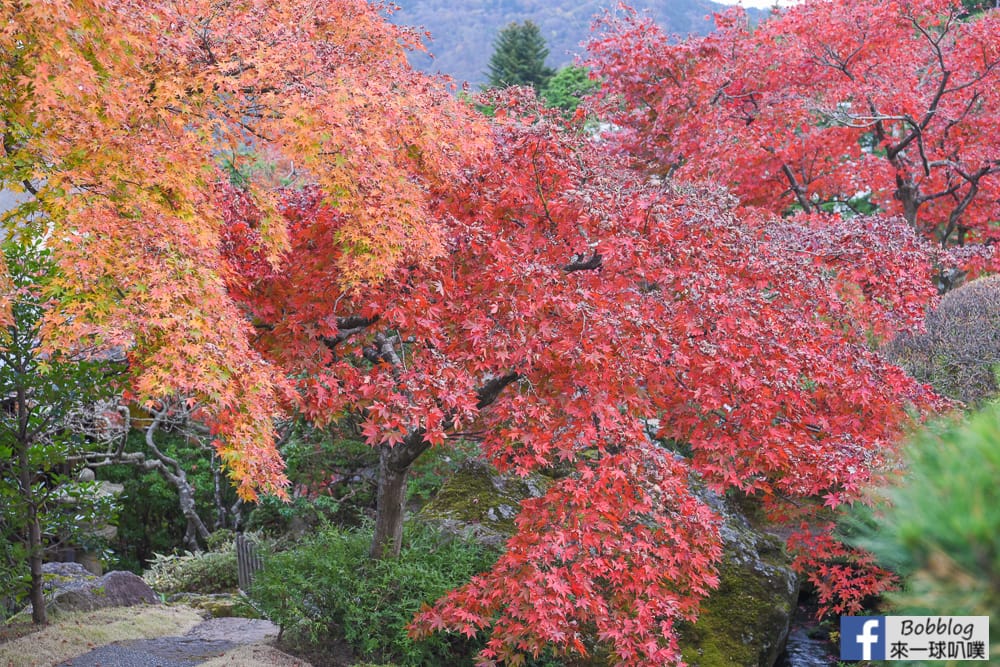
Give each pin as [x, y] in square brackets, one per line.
[480, 503]
[745, 621]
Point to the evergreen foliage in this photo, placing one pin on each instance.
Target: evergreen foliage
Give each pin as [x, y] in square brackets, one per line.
[519, 58]
[153, 522]
[42, 391]
[568, 87]
[942, 529]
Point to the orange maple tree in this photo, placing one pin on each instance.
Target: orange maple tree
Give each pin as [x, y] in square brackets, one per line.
[857, 105]
[578, 301]
[115, 116]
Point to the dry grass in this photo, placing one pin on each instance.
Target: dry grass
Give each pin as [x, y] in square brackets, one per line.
[254, 656]
[73, 634]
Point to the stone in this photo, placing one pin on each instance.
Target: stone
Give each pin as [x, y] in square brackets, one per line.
[59, 577]
[65, 571]
[478, 502]
[115, 589]
[745, 621]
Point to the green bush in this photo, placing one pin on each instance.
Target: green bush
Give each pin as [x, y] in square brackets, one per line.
[333, 480]
[942, 528]
[327, 589]
[203, 572]
[568, 87]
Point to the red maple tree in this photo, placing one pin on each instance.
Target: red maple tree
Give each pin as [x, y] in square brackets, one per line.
[577, 301]
[827, 105]
[440, 280]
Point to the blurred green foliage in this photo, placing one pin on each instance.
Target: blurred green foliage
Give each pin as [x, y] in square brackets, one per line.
[151, 520]
[204, 572]
[940, 528]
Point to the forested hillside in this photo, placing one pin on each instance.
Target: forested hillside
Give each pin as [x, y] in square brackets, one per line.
[462, 33]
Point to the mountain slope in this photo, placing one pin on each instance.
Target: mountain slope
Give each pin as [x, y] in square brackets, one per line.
[463, 31]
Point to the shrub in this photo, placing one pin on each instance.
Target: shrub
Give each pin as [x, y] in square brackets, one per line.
[959, 355]
[203, 572]
[942, 529]
[327, 589]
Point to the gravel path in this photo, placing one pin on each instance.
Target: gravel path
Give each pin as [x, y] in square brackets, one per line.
[203, 642]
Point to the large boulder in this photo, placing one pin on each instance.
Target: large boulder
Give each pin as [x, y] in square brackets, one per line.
[744, 623]
[70, 587]
[478, 502]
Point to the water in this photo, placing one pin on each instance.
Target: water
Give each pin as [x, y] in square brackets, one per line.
[804, 651]
[801, 650]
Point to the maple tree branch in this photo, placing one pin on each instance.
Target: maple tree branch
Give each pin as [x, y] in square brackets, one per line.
[356, 322]
[581, 264]
[961, 117]
[797, 189]
[956, 213]
[414, 444]
[347, 327]
[834, 61]
[538, 186]
[386, 350]
[490, 391]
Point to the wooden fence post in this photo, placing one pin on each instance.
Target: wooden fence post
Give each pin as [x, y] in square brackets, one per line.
[248, 561]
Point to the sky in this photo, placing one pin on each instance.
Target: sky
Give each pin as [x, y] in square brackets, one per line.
[757, 3]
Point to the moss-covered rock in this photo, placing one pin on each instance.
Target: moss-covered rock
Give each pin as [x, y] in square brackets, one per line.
[743, 623]
[86, 593]
[480, 503]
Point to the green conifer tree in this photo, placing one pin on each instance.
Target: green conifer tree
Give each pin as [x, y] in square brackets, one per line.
[568, 87]
[519, 57]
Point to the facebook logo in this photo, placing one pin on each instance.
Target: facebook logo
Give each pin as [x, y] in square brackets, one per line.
[862, 637]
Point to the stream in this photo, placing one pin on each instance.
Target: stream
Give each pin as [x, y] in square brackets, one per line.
[802, 650]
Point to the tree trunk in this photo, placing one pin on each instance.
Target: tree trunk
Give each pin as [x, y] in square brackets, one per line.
[195, 526]
[394, 463]
[38, 615]
[26, 479]
[388, 538]
[907, 194]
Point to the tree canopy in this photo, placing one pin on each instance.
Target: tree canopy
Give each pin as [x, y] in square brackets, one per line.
[890, 105]
[578, 301]
[116, 117]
